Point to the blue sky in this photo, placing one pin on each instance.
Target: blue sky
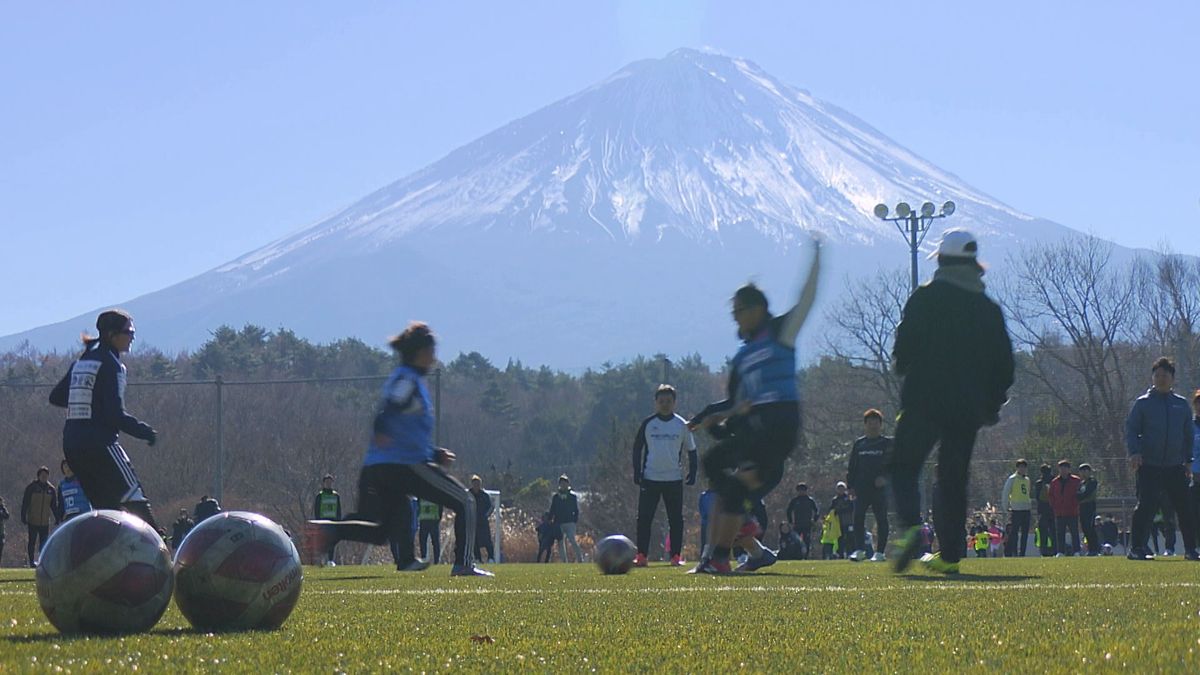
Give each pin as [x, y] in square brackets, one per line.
[146, 143]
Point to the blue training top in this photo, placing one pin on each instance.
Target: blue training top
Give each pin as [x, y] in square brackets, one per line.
[71, 497]
[403, 432]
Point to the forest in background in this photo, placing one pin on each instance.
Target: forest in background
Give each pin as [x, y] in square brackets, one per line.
[1085, 327]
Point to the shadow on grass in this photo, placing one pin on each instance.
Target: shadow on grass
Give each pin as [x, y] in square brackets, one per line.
[970, 578]
[61, 637]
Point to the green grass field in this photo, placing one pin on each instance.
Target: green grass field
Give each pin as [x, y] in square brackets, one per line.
[1014, 615]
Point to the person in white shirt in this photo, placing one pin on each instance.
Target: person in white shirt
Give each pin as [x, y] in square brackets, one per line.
[658, 450]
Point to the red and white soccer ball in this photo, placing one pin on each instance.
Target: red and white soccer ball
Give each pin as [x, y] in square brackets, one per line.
[104, 572]
[237, 571]
[615, 554]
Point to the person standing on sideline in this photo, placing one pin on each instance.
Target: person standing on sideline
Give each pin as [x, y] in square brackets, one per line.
[180, 529]
[206, 508]
[802, 515]
[953, 351]
[867, 485]
[564, 509]
[547, 534]
[38, 505]
[483, 527]
[1087, 508]
[1016, 500]
[328, 506]
[93, 392]
[429, 529]
[1159, 433]
[402, 462]
[71, 500]
[843, 507]
[1064, 499]
[658, 451]
[1045, 525]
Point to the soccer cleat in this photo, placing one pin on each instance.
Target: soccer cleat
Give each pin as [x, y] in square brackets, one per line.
[640, 561]
[676, 560]
[909, 544]
[878, 557]
[767, 559]
[934, 563]
[718, 567]
[416, 565]
[1140, 554]
[469, 571]
[1192, 555]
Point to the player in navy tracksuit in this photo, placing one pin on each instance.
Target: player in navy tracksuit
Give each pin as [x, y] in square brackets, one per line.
[93, 392]
[402, 462]
[758, 423]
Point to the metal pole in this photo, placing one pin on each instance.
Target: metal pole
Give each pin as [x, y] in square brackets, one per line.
[219, 469]
[912, 245]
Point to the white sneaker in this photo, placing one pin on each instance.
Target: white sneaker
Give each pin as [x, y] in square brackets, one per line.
[858, 556]
[878, 557]
[331, 564]
[1059, 555]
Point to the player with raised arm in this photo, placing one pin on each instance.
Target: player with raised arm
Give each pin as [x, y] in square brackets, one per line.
[402, 462]
[757, 424]
[93, 392]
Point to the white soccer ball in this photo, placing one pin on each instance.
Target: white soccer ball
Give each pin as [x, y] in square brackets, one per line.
[1106, 549]
[104, 572]
[237, 571]
[615, 554]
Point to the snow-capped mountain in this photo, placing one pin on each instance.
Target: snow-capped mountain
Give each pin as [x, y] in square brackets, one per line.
[614, 222]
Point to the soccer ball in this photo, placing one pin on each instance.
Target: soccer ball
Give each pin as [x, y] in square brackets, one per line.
[237, 571]
[614, 555]
[1106, 549]
[104, 572]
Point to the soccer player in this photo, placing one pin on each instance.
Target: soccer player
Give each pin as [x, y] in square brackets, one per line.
[483, 528]
[955, 356]
[802, 514]
[93, 392]
[757, 424]
[1015, 500]
[658, 471]
[868, 485]
[328, 506]
[71, 500]
[401, 460]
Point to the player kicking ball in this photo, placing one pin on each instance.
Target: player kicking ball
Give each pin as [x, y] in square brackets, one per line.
[401, 463]
[757, 423]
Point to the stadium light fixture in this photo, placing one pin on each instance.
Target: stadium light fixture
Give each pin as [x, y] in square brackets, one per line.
[914, 226]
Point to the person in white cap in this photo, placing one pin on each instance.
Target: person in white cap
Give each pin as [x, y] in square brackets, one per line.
[954, 353]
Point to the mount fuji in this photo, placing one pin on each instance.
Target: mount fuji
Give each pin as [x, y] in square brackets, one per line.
[614, 222]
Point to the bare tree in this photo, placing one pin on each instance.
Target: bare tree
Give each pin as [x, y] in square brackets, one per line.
[864, 329]
[1170, 295]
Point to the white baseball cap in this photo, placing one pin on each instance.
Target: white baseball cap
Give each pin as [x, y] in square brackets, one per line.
[956, 244]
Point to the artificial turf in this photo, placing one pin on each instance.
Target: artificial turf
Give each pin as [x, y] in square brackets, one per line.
[1014, 615]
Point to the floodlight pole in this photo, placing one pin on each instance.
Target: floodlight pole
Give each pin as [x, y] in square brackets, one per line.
[913, 226]
[916, 234]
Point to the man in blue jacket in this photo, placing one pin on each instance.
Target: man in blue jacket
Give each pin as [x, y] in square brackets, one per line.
[1159, 434]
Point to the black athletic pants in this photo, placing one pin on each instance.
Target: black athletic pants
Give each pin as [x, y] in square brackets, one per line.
[37, 539]
[431, 536]
[1062, 525]
[1046, 529]
[483, 544]
[916, 434]
[671, 493]
[875, 499]
[805, 534]
[1153, 482]
[384, 492]
[1018, 533]
[1087, 525]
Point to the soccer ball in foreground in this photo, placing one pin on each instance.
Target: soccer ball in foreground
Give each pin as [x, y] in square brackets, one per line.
[237, 571]
[104, 572]
[614, 555]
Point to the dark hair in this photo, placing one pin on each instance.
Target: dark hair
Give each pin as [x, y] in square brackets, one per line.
[1164, 363]
[110, 322]
[1022, 462]
[416, 337]
[872, 412]
[1085, 467]
[327, 476]
[664, 389]
[802, 486]
[750, 295]
[41, 469]
[1045, 468]
[64, 465]
[1065, 462]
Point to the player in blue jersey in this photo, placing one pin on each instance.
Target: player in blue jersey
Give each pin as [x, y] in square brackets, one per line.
[93, 392]
[71, 499]
[402, 462]
[757, 423]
